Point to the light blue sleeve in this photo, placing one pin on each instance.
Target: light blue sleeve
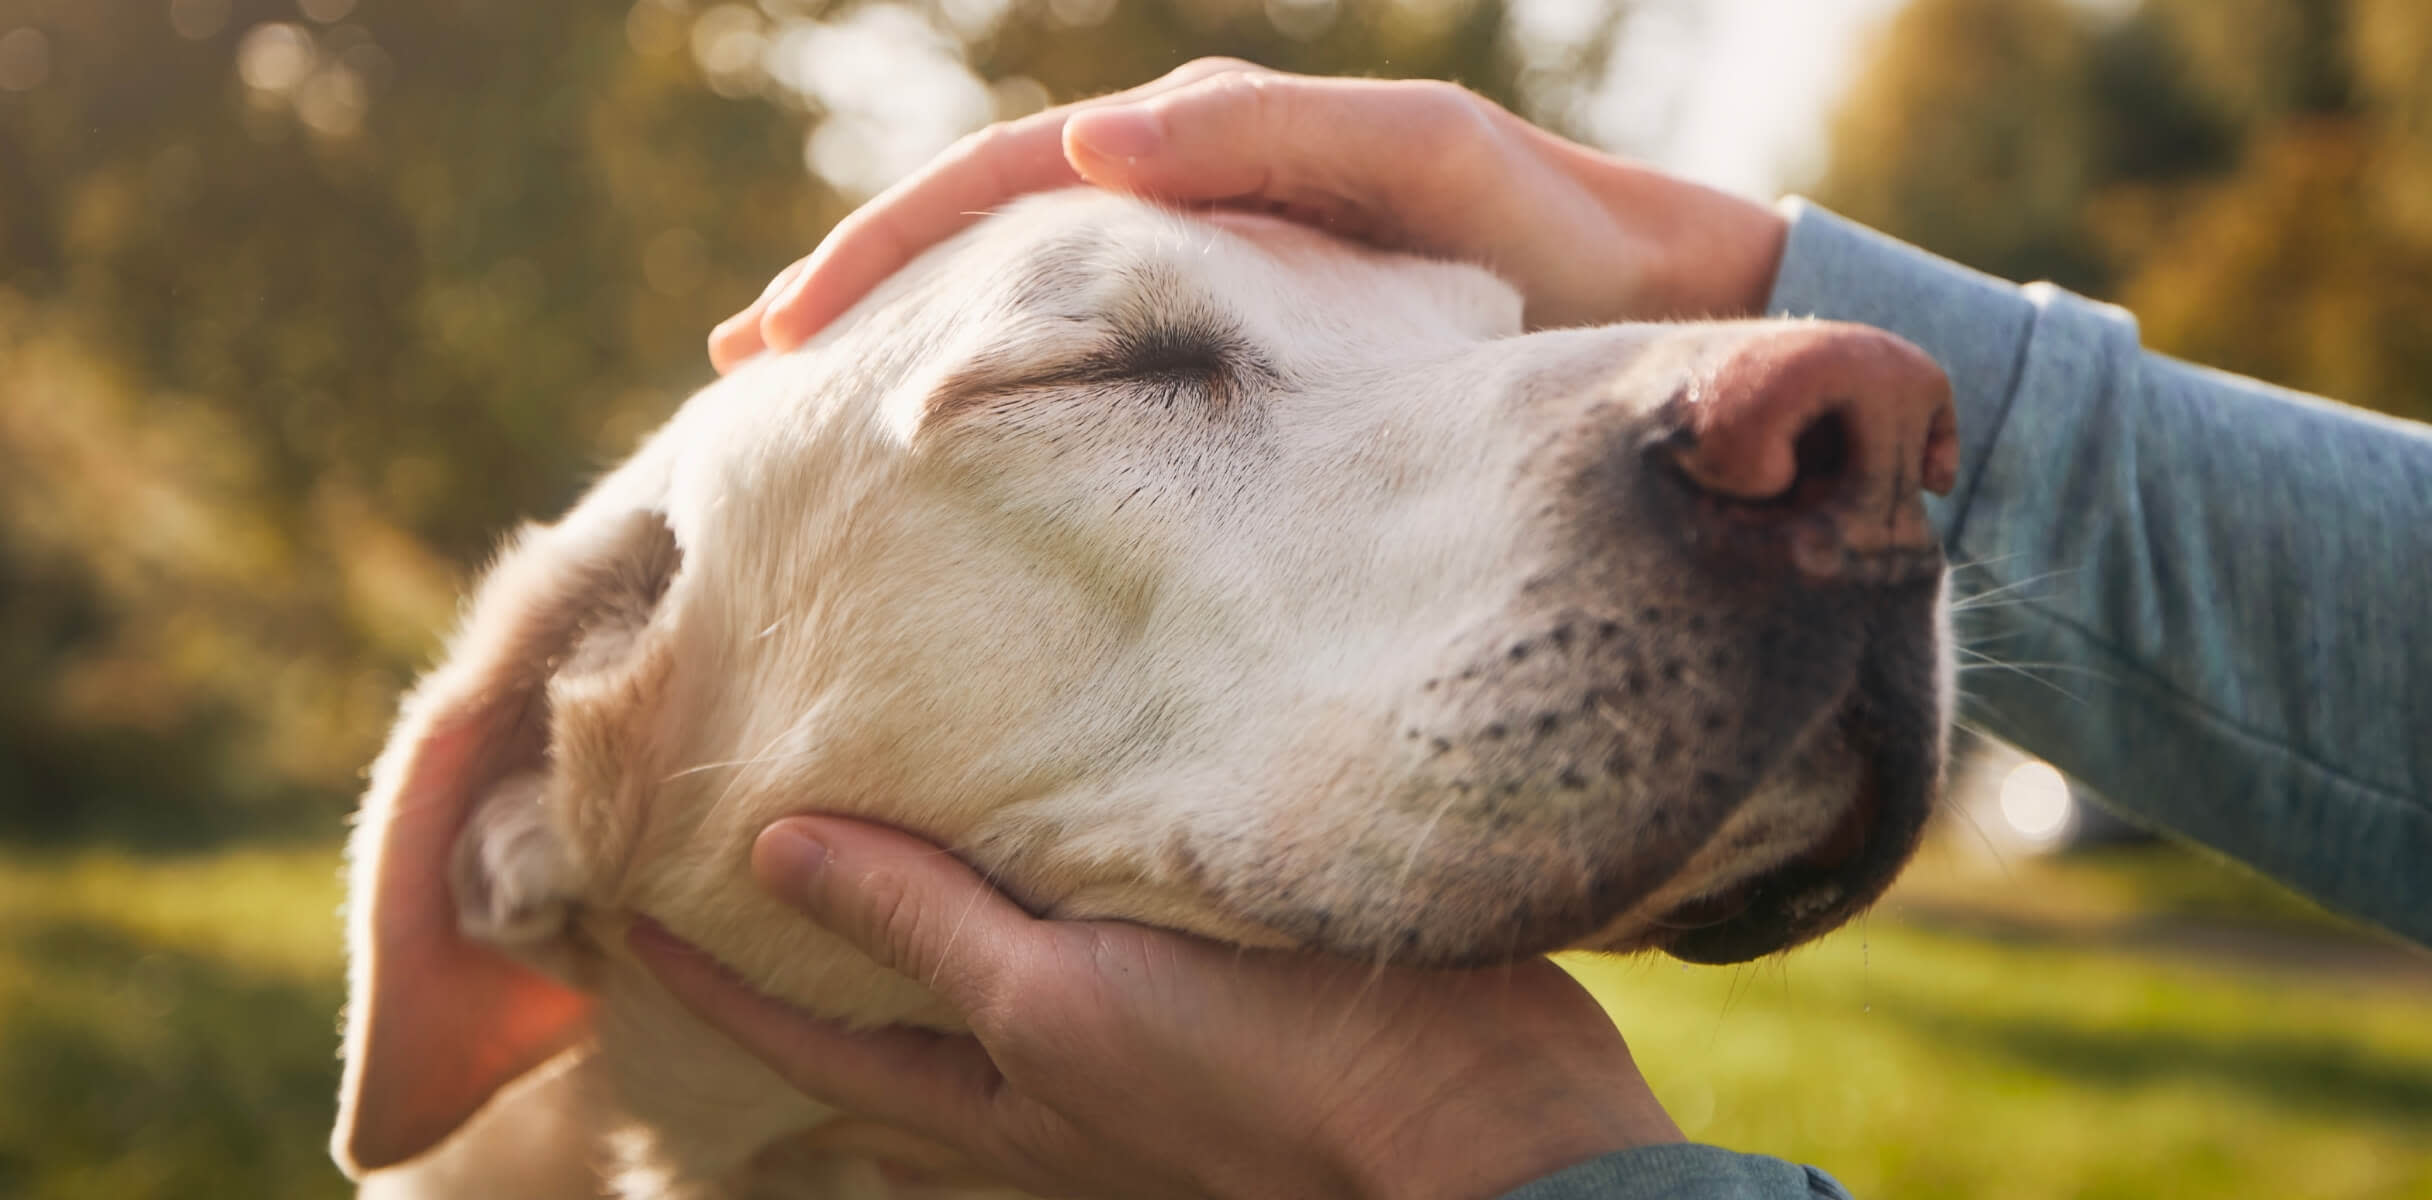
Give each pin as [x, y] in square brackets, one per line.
[1686, 1171]
[2219, 592]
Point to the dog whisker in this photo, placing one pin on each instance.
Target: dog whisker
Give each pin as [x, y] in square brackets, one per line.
[2010, 589]
[1980, 564]
[761, 759]
[1986, 662]
[1983, 661]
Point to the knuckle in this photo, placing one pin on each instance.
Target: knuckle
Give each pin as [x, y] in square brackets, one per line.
[893, 923]
[1256, 99]
[1448, 122]
[1447, 110]
[980, 143]
[1212, 66]
[998, 1013]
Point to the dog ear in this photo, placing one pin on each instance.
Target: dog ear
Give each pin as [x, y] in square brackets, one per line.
[455, 858]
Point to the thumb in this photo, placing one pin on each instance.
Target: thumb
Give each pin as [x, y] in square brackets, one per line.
[911, 906]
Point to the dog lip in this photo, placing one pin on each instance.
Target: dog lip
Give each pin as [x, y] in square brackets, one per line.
[1710, 910]
[1847, 838]
[1839, 845]
[1813, 891]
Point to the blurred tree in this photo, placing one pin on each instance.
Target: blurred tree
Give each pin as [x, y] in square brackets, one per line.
[301, 301]
[2252, 177]
[1971, 132]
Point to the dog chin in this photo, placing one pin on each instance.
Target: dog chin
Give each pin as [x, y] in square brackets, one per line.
[1811, 845]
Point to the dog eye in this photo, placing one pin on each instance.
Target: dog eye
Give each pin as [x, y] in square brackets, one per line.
[1170, 355]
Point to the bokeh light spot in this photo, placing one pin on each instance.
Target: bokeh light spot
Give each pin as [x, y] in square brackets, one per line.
[1302, 20]
[1080, 14]
[25, 60]
[655, 28]
[198, 19]
[332, 102]
[2035, 802]
[275, 57]
[727, 44]
[894, 88]
[1017, 96]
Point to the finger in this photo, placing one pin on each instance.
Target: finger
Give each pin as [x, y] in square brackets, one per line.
[1364, 149]
[738, 337]
[961, 186]
[911, 906]
[930, 1082]
[971, 178]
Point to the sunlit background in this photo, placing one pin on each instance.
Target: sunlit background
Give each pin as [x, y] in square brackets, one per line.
[302, 301]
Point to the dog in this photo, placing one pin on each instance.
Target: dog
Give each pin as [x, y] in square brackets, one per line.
[1195, 569]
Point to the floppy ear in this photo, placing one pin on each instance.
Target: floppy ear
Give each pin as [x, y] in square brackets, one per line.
[455, 854]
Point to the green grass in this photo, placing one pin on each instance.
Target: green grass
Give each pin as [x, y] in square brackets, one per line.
[167, 1030]
[2058, 1029]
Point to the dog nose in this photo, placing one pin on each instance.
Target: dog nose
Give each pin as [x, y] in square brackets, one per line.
[1828, 429]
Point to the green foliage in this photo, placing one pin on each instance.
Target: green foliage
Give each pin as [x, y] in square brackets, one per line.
[2253, 178]
[168, 1026]
[165, 1031]
[303, 304]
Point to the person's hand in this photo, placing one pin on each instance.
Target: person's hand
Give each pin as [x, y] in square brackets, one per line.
[1107, 1059]
[1410, 165]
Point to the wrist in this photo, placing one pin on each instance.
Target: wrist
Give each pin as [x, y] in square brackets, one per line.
[1471, 1160]
[1706, 253]
[1719, 252]
[1486, 1137]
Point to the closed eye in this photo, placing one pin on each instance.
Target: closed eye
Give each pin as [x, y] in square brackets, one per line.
[1170, 351]
[1203, 363]
[1197, 360]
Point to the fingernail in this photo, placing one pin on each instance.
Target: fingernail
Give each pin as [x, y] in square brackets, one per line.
[1129, 134]
[788, 858]
[785, 278]
[778, 319]
[727, 328]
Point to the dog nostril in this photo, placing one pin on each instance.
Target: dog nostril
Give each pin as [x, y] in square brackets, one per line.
[1821, 455]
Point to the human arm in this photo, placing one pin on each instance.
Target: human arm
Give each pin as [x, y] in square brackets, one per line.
[2219, 592]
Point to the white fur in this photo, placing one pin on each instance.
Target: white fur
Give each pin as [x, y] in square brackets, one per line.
[1110, 639]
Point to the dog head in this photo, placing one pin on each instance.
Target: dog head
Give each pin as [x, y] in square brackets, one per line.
[1203, 571]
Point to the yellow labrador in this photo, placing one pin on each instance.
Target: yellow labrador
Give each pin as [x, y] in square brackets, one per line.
[1200, 571]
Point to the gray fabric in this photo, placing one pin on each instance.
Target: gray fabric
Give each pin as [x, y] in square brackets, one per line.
[2224, 590]
[1686, 1171]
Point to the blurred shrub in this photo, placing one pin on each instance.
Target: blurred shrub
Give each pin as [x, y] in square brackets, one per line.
[302, 301]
